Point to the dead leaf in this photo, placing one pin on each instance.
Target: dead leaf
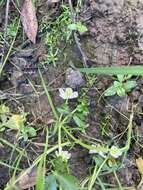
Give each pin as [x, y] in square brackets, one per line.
[29, 20]
[139, 163]
[140, 186]
[26, 181]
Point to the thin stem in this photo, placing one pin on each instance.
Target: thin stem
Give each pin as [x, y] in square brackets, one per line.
[96, 174]
[5, 27]
[49, 97]
[89, 147]
[59, 137]
[34, 164]
[9, 51]
[117, 179]
[127, 147]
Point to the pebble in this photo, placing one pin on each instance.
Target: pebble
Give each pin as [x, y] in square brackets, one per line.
[74, 78]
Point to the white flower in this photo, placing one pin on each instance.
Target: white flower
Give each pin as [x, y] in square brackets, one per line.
[102, 154]
[67, 93]
[92, 151]
[115, 152]
[64, 154]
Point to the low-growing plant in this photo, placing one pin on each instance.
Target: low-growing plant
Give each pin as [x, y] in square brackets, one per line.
[12, 28]
[78, 115]
[78, 26]
[56, 31]
[15, 122]
[61, 176]
[59, 31]
[121, 86]
[107, 154]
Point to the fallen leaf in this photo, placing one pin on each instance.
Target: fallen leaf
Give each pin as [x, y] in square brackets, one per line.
[140, 186]
[29, 20]
[139, 163]
[28, 180]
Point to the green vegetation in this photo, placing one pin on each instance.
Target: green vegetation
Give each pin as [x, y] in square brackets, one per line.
[78, 115]
[45, 149]
[15, 122]
[57, 32]
[121, 86]
[12, 28]
[122, 70]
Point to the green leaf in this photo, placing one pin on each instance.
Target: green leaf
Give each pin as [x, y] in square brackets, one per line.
[67, 182]
[127, 77]
[78, 121]
[77, 26]
[81, 28]
[123, 70]
[121, 92]
[120, 78]
[59, 165]
[72, 26]
[31, 131]
[40, 178]
[110, 91]
[50, 183]
[15, 122]
[64, 109]
[2, 129]
[4, 118]
[117, 84]
[4, 109]
[129, 85]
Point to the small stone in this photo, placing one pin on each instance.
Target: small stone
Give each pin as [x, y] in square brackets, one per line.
[74, 78]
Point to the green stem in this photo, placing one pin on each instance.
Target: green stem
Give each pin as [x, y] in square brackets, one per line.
[49, 97]
[59, 137]
[96, 174]
[117, 179]
[129, 135]
[34, 164]
[9, 51]
[89, 147]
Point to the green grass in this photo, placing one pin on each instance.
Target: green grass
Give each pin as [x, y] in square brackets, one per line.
[53, 169]
[123, 70]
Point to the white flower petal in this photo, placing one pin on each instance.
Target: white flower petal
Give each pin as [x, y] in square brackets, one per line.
[63, 96]
[67, 93]
[93, 151]
[62, 93]
[75, 95]
[64, 154]
[102, 154]
[115, 152]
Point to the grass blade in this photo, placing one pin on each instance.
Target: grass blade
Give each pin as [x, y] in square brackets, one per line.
[123, 70]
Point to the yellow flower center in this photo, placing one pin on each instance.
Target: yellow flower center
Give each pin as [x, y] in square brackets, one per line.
[68, 92]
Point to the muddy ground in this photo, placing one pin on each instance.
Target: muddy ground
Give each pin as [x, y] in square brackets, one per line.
[114, 38]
